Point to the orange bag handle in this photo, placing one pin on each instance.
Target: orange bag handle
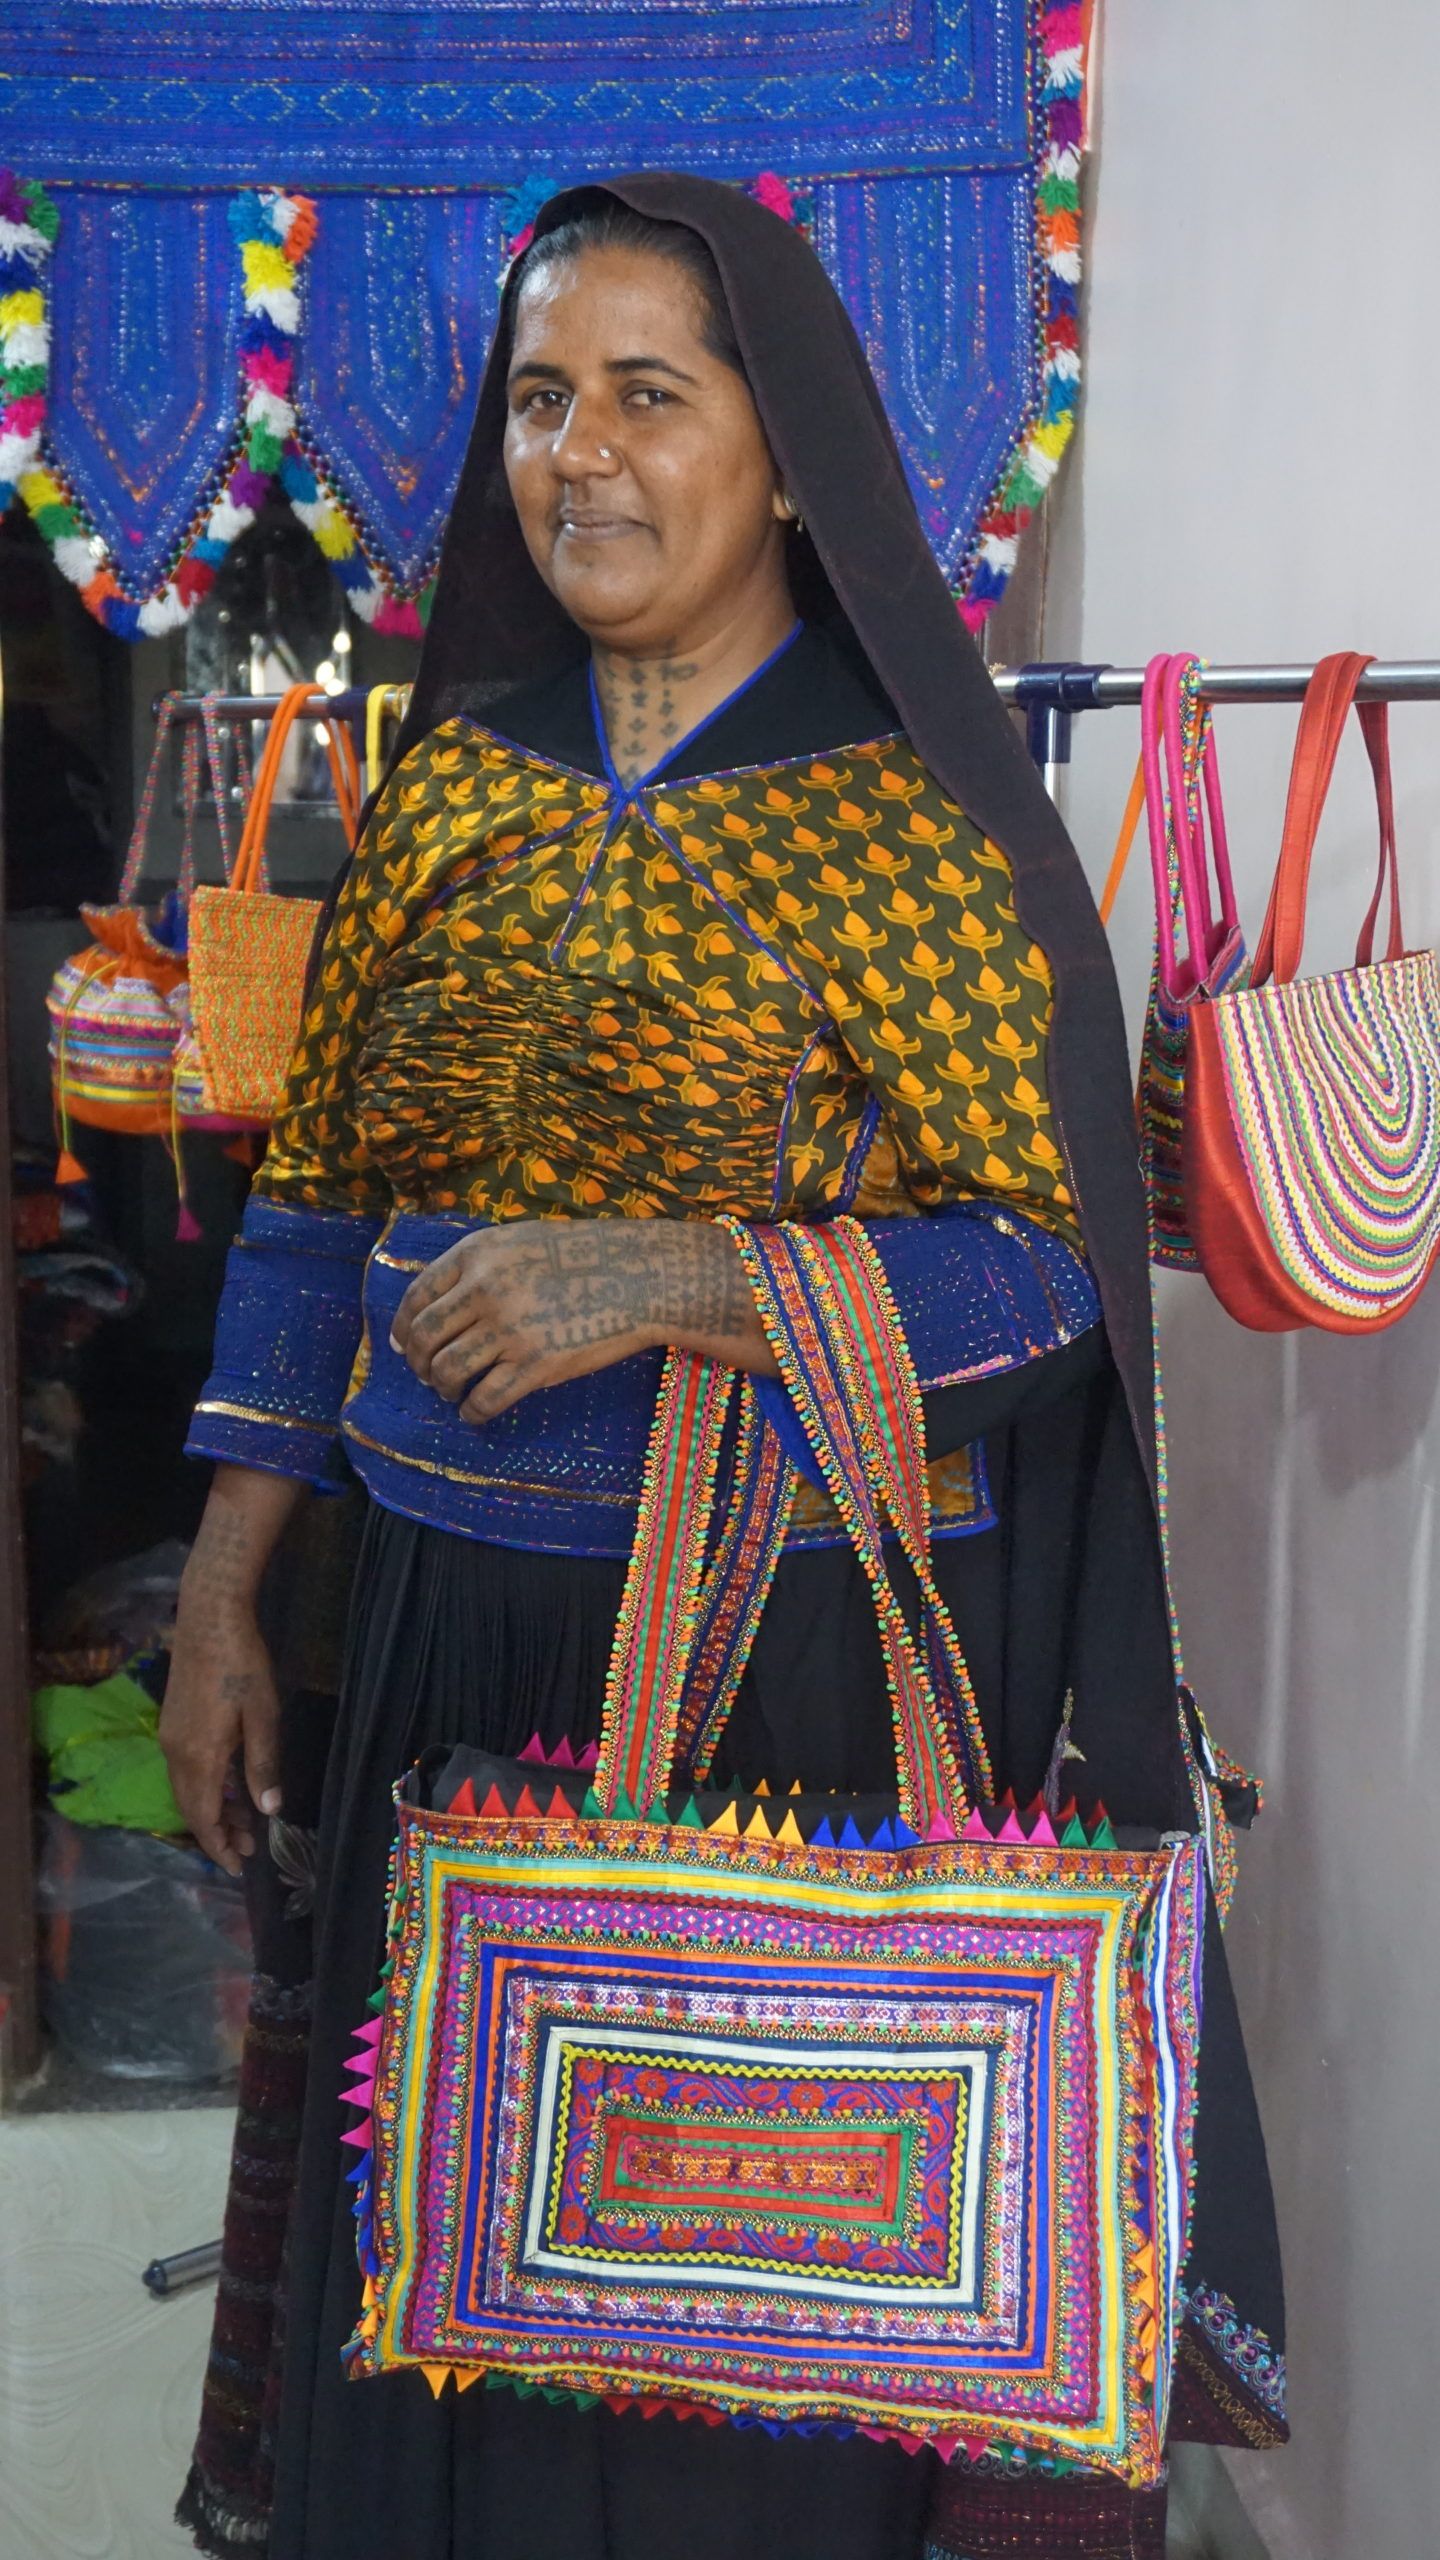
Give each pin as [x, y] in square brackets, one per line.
[1128, 825]
[249, 872]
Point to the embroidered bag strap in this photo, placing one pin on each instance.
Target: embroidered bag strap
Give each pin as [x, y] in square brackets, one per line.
[832, 1324]
[1174, 738]
[736, 1585]
[1193, 771]
[825, 1304]
[191, 745]
[215, 750]
[659, 1613]
[140, 832]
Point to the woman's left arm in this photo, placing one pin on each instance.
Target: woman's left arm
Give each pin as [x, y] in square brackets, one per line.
[533, 1303]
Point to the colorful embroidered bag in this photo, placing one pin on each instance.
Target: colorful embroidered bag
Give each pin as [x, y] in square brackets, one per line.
[116, 1008]
[1179, 796]
[804, 2111]
[1312, 1125]
[249, 951]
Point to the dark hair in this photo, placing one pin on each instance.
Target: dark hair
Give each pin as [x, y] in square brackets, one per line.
[603, 222]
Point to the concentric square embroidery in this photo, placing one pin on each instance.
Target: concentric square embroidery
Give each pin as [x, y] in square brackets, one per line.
[839, 2136]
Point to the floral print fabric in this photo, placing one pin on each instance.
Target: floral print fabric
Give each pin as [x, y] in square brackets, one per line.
[777, 991]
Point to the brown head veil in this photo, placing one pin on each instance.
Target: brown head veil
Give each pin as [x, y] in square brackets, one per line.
[495, 625]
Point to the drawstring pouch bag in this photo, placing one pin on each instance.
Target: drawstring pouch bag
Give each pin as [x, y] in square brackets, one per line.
[1177, 784]
[116, 1008]
[1312, 1124]
[249, 951]
[800, 2111]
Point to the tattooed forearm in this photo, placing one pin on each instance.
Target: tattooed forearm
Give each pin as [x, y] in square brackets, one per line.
[244, 1516]
[643, 703]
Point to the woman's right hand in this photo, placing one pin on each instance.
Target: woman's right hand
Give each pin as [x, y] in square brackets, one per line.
[221, 1714]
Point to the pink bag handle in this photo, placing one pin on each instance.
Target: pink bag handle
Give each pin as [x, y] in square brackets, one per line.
[1194, 772]
[1172, 807]
[1180, 797]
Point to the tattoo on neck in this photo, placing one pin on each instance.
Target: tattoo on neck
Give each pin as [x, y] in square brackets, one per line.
[642, 717]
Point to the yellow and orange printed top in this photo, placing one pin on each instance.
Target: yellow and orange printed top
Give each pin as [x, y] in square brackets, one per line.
[769, 992]
[775, 991]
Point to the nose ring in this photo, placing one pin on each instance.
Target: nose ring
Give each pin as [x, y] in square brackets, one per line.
[605, 453]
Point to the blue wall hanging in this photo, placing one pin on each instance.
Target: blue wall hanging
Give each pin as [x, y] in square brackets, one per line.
[178, 329]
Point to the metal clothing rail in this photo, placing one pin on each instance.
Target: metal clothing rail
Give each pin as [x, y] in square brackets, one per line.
[349, 705]
[1051, 693]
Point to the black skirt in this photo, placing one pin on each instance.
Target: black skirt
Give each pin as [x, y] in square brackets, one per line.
[452, 1640]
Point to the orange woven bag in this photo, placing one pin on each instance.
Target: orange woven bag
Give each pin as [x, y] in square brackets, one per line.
[249, 950]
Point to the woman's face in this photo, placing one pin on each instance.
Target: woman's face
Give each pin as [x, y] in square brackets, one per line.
[639, 469]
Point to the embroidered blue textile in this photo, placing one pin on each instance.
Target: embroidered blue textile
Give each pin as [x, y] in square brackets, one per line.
[145, 312]
[482, 92]
[919, 128]
[977, 1290]
[400, 303]
[285, 1342]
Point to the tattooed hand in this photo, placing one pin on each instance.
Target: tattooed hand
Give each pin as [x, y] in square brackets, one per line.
[531, 1304]
[220, 1722]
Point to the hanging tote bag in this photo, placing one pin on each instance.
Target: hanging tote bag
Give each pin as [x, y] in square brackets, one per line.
[1312, 1126]
[805, 2111]
[1177, 785]
[249, 950]
[114, 1022]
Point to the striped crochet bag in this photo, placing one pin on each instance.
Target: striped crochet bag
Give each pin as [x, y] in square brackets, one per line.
[249, 952]
[1312, 1127]
[810, 2112]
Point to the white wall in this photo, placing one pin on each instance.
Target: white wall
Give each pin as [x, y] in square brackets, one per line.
[1257, 478]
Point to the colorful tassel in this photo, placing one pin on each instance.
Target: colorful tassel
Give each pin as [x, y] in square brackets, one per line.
[273, 232]
[1036, 458]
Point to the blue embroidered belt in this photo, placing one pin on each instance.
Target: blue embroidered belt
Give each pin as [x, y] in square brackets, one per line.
[978, 1291]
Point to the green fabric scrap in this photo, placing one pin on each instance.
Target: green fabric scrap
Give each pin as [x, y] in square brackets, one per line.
[104, 1758]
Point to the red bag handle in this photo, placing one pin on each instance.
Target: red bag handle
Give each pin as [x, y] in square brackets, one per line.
[1329, 698]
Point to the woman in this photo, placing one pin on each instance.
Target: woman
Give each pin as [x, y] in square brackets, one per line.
[709, 877]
